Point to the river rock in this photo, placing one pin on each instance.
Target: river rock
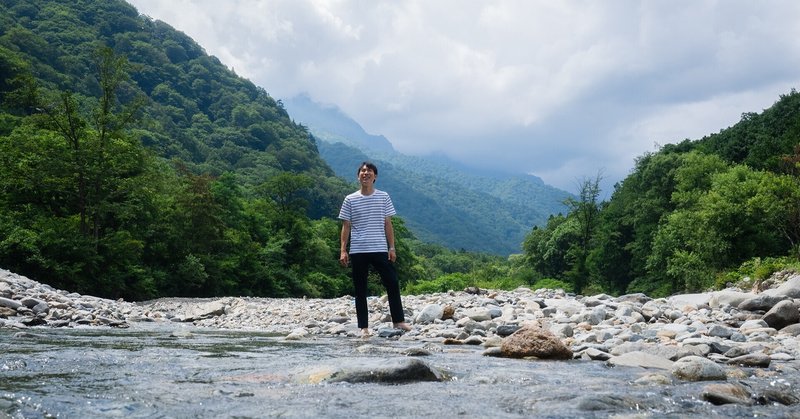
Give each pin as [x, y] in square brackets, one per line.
[695, 368]
[202, 311]
[689, 301]
[429, 314]
[792, 330]
[761, 302]
[784, 313]
[370, 370]
[726, 393]
[506, 329]
[534, 342]
[758, 359]
[641, 359]
[6, 312]
[729, 298]
[789, 288]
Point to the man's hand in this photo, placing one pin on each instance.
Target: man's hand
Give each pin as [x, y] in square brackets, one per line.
[344, 259]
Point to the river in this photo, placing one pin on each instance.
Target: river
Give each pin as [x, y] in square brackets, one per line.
[180, 371]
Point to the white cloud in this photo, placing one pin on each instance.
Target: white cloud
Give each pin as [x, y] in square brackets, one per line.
[561, 89]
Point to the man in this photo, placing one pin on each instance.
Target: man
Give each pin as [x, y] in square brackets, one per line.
[367, 224]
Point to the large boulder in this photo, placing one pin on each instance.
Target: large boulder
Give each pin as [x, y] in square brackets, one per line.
[370, 370]
[729, 297]
[530, 341]
[783, 314]
[696, 368]
[762, 302]
[790, 288]
[429, 314]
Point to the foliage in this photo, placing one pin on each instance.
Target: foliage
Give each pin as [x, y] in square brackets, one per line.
[756, 270]
[687, 215]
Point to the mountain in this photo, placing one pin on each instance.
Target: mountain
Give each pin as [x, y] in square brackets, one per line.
[442, 201]
[338, 127]
[198, 111]
[134, 165]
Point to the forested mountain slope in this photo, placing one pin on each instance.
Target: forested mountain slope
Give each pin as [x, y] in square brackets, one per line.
[135, 165]
[694, 215]
[199, 111]
[441, 201]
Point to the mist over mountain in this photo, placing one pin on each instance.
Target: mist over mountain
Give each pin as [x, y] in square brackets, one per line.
[441, 200]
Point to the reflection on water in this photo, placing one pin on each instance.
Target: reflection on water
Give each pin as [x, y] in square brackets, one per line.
[170, 370]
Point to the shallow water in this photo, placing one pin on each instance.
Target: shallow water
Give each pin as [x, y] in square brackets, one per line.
[178, 371]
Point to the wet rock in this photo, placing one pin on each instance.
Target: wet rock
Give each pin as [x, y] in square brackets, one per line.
[695, 368]
[760, 360]
[786, 398]
[598, 402]
[727, 393]
[534, 342]
[389, 332]
[416, 351]
[594, 354]
[297, 334]
[371, 370]
[641, 359]
[653, 380]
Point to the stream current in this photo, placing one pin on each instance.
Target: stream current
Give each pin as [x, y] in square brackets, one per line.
[178, 371]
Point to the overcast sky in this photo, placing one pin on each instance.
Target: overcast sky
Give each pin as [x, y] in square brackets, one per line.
[563, 90]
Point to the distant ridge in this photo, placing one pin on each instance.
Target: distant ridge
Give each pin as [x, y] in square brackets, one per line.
[442, 201]
[334, 125]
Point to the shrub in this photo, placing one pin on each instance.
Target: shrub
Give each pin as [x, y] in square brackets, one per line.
[553, 284]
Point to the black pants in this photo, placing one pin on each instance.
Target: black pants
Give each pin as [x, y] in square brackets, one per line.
[380, 261]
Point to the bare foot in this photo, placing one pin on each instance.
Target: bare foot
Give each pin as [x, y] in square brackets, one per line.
[365, 333]
[402, 326]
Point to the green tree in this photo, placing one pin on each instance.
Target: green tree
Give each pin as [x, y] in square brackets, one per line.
[584, 210]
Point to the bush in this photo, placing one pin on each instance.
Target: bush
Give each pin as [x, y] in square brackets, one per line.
[654, 289]
[551, 284]
[756, 270]
[444, 283]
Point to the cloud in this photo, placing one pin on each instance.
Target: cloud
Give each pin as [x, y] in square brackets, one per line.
[562, 90]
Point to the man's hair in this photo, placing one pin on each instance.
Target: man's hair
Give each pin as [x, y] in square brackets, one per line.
[370, 166]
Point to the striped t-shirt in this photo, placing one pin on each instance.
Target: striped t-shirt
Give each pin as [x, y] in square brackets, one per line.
[367, 214]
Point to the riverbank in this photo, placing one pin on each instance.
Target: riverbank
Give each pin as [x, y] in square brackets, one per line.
[722, 337]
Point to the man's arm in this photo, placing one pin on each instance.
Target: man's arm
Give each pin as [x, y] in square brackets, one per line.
[389, 229]
[343, 239]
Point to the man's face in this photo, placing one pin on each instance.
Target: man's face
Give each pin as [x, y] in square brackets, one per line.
[366, 175]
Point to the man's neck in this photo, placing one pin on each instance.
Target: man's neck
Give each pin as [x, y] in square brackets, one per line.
[367, 189]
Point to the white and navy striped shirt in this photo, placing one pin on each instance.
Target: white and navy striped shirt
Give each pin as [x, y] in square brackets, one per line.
[367, 214]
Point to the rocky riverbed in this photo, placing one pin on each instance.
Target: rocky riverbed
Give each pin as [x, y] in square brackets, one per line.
[742, 344]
